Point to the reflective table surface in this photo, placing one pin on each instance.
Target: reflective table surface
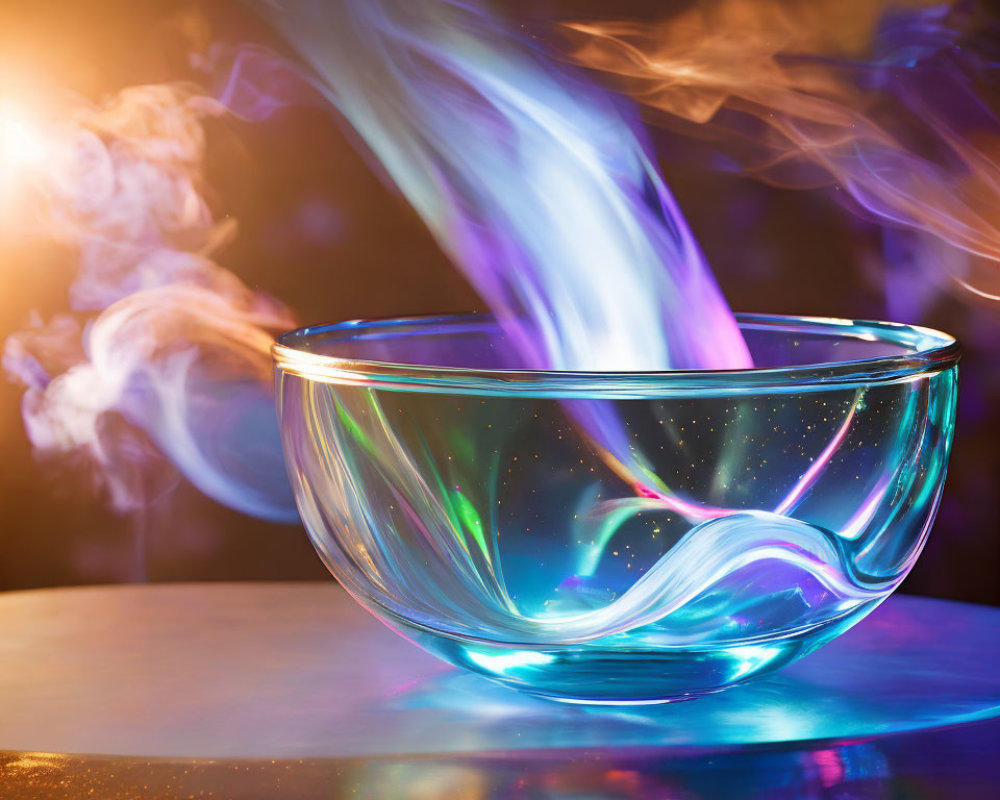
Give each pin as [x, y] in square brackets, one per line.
[291, 690]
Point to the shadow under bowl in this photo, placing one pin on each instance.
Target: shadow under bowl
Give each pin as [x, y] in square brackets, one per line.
[617, 537]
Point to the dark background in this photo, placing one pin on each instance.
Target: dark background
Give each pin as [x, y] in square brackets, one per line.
[319, 230]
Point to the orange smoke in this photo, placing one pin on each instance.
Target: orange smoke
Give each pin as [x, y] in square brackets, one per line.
[789, 69]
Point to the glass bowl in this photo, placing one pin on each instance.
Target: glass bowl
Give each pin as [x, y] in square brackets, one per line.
[617, 537]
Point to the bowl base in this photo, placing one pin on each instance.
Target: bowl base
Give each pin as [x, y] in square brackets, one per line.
[588, 675]
[656, 701]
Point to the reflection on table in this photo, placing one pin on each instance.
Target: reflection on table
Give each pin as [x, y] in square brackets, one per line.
[287, 691]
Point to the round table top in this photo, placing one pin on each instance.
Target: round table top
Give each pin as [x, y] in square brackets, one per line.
[293, 671]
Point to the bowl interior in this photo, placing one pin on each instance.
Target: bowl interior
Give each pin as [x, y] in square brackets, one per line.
[616, 537]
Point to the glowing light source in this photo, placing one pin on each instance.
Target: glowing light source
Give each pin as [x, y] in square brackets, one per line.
[22, 144]
[27, 152]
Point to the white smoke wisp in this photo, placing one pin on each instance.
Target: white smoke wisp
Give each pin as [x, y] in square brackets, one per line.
[536, 184]
[163, 363]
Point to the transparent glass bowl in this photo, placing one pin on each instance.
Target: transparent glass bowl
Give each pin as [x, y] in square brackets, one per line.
[617, 537]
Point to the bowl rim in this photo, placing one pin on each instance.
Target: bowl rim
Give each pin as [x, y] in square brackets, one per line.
[927, 352]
